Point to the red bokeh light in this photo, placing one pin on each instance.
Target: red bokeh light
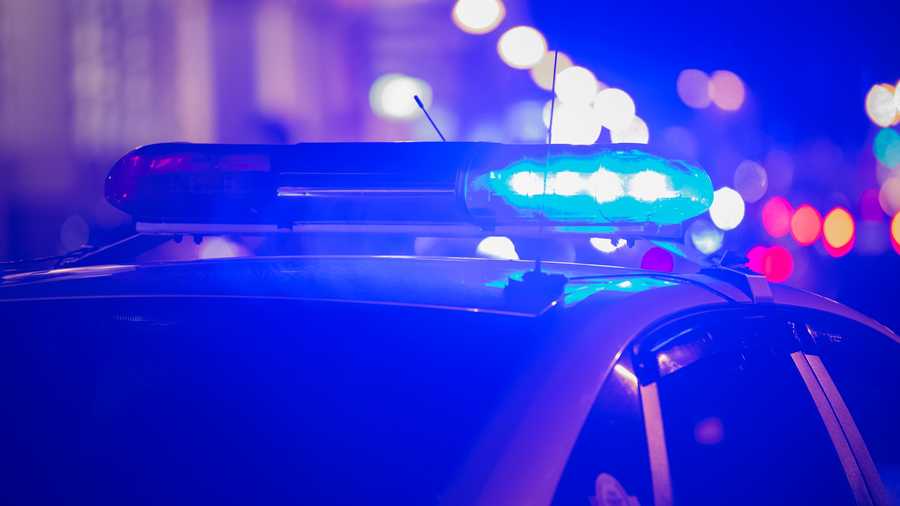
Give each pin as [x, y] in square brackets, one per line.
[757, 257]
[776, 216]
[806, 224]
[778, 264]
[658, 259]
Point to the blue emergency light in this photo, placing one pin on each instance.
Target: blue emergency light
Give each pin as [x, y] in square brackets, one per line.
[485, 184]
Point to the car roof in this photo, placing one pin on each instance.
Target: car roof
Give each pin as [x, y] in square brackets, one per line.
[473, 284]
[468, 284]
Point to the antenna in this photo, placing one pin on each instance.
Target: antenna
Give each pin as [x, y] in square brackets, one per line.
[436, 129]
[552, 99]
[537, 261]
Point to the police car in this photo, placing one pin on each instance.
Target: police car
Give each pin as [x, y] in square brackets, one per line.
[330, 364]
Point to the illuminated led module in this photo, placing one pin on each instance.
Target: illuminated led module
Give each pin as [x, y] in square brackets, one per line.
[608, 187]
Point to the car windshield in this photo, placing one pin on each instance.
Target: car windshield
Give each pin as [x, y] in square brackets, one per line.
[174, 401]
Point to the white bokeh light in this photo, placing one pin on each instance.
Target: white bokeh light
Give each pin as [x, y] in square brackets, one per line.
[635, 133]
[573, 124]
[522, 47]
[605, 245]
[881, 106]
[478, 16]
[751, 180]
[498, 247]
[727, 209]
[706, 238]
[542, 73]
[391, 96]
[615, 108]
[576, 85]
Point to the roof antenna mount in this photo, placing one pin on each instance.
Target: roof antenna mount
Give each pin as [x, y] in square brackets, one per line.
[433, 125]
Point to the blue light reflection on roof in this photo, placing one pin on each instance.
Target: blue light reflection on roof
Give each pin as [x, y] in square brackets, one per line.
[612, 186]
[577, 291]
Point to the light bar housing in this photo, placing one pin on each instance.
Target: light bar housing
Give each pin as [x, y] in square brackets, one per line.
[484, 184]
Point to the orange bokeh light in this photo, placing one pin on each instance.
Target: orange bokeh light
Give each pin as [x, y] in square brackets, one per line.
[895, 232]
[839, 230]
[806, 224]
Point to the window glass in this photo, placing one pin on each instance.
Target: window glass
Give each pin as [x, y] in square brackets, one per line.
[865, 367]
[740, 425]
[610, 458]
[193, 401]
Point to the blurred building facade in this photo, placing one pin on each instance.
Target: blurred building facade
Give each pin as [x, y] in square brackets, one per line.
[83, 81]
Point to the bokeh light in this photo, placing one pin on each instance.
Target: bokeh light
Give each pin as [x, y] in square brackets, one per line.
[573, 124]
[887, 148]
[778, 264]
[889, 195]
[776, 217]
[522, 47]
[636, 133]
[881, 106]
[220, 247]
[478, 16]
[499, 247]
[726, 90]
[727, 209]
[709, 431]
[523, 122]
[658, 259]
[838, 230]
[391, 96]
[73, 233]
[615, 108]
[706, 238]
[606, 245]
[756, 258]
[693, 88]
[751, 180]
[542, 72]
[895, 232]
[576, 85]
[806, 225]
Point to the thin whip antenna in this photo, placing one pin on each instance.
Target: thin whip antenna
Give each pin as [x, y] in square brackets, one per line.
[537, 262]
[552, 99]
[436, 129]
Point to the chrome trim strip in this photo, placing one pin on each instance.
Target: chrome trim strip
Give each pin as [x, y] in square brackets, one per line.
[656, 445]
[851, 431]
[838, 439]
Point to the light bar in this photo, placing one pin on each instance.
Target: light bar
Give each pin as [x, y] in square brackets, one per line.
[614, 186]
[568, 188]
